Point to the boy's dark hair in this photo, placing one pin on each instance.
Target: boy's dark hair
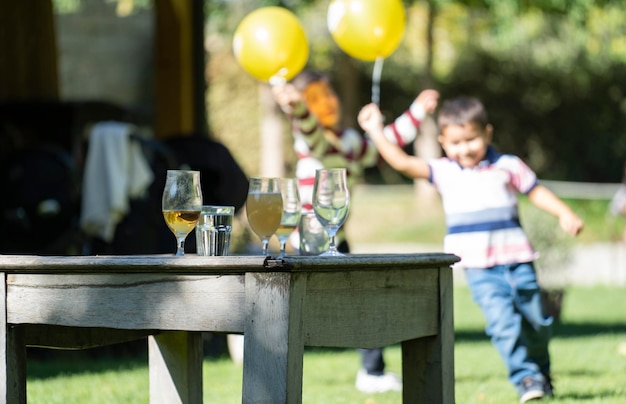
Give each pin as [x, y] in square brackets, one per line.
[462, 110]
[306, 77]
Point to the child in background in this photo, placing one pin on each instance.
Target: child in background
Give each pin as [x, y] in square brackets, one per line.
[321, 141]
[479, 187]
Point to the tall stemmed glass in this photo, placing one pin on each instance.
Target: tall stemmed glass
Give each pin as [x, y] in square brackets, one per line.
[292, 208]
[331, 203]
[181, 204]
[264, 208]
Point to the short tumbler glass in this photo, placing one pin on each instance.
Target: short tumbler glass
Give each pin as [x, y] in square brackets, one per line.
[314, 239]
[214, 229]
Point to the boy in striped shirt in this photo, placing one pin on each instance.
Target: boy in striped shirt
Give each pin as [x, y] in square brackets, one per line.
[478, 188]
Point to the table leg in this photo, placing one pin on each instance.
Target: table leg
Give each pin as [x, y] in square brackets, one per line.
[446, 333]
[428, 363]
[273, 340]
[175, 362]
[12, 355]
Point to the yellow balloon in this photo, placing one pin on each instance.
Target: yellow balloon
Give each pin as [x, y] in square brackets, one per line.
[367, 29]
[270, 44]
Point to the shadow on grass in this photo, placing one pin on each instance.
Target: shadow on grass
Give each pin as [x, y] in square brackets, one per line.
[48, 363]
[560, 330]
[571, 330]
[43, 363]
[67, 366]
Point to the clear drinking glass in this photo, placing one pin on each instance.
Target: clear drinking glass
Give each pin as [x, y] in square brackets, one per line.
[264, 208]
[292, 208]
[213, 230]
[313, 236]
[181, 204]
[331, 203]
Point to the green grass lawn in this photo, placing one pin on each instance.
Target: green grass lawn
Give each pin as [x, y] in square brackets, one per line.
[588, 353]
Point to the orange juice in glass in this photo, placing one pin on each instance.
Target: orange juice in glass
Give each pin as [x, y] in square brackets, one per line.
[264, 207]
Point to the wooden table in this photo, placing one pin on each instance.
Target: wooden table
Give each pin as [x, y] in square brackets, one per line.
[281, 305]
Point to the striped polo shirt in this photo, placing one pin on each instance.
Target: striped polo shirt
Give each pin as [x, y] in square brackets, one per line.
[481, 209]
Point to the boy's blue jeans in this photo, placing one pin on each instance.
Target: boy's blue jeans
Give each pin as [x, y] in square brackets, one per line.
[510, 299]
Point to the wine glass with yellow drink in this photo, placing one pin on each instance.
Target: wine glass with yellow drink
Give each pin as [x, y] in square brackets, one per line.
[264, 208]
[181, 204]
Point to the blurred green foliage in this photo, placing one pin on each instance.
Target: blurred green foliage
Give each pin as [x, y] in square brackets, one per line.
[552, 74]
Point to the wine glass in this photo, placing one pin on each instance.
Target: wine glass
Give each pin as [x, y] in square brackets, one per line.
[264, 208]
[331, 203]
[181, 204]
[292, 208]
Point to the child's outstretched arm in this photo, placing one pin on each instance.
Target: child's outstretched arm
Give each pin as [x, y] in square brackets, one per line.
[289, 99]
[403, 130]
[544, 199]
[371, 121]
[428, 99]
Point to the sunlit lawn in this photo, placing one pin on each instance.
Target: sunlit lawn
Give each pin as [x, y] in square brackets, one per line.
[588, 351]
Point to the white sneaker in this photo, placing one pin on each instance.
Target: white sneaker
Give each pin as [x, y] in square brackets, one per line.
[367, 383]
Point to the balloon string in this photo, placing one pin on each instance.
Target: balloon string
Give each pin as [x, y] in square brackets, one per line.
[376, 73]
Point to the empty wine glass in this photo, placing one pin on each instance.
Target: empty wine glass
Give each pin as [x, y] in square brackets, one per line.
[264, 208]
[291, 212]
[331, 203]
[181, 204]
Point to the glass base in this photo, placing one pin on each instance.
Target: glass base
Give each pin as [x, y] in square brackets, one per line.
[332, 253]
[180, 246]
[332, 248]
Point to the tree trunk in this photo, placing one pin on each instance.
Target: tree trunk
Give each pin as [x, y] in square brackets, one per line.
[347, 83]
[272, 158]
[426, 145]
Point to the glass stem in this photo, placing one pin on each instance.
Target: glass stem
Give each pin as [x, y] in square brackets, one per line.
[180, 249]
[331, 245]
[265, 246]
